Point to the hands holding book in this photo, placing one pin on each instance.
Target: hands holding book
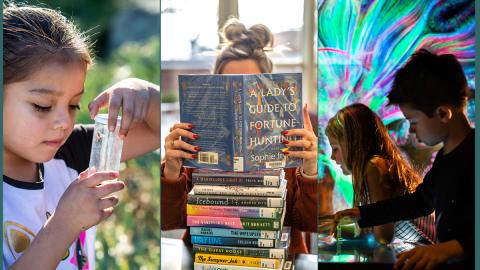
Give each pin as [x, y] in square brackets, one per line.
[176, 149]
[309, 143]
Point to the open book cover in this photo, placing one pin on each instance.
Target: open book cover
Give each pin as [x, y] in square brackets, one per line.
[239, 119]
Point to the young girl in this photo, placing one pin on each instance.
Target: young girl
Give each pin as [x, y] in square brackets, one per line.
[363, 148]
[244, 54]
[50, 203]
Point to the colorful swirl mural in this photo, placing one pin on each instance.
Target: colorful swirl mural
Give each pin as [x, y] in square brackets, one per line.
[361, 43]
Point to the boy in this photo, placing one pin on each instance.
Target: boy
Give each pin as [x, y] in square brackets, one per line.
[431, 91]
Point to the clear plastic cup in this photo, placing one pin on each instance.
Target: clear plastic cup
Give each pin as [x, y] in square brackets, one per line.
[106, 146]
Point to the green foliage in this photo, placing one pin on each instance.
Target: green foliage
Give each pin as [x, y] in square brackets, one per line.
[169, 96]
[91, 16]
[140, 60]
[130, 238]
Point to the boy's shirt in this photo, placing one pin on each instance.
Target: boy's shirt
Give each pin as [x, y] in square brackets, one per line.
[448, 189]
[27, 206]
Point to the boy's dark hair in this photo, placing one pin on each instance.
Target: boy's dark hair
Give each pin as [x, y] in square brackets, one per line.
[428, 81]
[33, 37]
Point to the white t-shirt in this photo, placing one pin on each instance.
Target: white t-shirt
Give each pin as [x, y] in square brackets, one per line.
[26, 206]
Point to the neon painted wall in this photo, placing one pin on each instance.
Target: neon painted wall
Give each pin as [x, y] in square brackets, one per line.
[361, 43]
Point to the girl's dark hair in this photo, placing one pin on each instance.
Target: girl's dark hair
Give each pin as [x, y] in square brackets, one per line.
[362, 136]
[34, 36]
[243, 43]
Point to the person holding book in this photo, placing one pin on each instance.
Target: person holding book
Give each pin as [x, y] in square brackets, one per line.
[244, 54]
[362, 146]
[51, 203]
[431, 91]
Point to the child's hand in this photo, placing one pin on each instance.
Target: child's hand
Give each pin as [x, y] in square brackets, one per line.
[345, 217]
[88, 200]
[428, 257]
[176, 149]
[309, 142]
[132, 95]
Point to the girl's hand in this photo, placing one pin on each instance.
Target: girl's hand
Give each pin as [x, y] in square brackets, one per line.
[132, 95]
[309, 142]
[346, 216]
[176, 149]
[88, 200]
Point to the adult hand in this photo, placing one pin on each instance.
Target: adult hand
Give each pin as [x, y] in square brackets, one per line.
[176, 149]
[309, 142]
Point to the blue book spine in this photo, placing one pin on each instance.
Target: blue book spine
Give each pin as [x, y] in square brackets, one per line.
[237, 86]
[206, 101]
[273, 103]
[230, 241]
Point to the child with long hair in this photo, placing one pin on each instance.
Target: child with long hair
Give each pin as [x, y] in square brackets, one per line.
[244, 53]
[51, 204]
[431, 91]
[363, 148]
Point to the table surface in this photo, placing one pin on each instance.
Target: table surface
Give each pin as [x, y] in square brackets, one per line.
[348, 254]
[364, 253]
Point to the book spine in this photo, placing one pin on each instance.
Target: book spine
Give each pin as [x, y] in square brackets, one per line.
[262, 234]
[274, 253]
[288, 265]
[232, 241]
[233, 222]
[240, 190]
[260, 181]
[235, 201]
[206, 266]
[205, 101]
[238, 162]
[236, 260]
[233, 211]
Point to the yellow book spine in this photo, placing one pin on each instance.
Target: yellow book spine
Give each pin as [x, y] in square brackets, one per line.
[236, 260]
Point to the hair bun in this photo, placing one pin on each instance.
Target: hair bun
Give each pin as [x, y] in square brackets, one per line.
[257, 37]
[234, 31]
[261, 34]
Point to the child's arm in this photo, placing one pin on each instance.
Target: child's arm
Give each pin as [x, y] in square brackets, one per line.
[406, 207]
[378, 191]
[67, 222]
[428, 257]
[140, 102]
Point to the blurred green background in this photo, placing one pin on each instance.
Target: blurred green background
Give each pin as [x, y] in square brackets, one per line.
[126, 37]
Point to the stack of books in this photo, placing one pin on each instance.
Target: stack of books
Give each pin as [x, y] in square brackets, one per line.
[236, 220]
[236, 216]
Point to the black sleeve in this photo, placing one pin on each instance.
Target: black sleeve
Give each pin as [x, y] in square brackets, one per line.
[406, 207]
[77, 148]
[465, 223]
